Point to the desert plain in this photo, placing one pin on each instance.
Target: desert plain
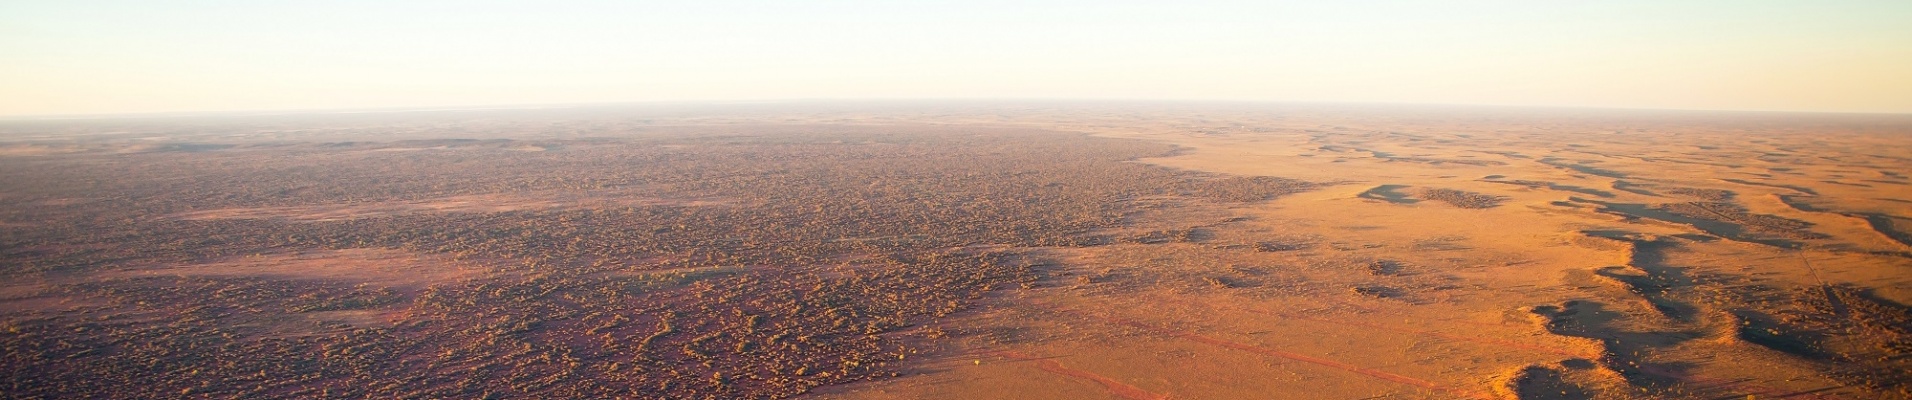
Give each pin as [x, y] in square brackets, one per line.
[959, 251]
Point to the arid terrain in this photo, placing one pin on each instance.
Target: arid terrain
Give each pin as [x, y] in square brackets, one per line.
[959, 251]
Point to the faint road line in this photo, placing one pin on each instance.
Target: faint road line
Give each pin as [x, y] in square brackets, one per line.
[1114, 387]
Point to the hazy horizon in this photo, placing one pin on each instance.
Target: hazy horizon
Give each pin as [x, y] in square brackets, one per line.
[131, 58]
[925, 103]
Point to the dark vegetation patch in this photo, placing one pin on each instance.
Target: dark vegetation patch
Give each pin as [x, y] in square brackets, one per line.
[1441, 161]
[1869, 338]
[1284, 245]
[1897, 228]
[1655, 285]
[1796, 188]
[1633, 188]
[1377, 291]
[1853, 335]
[1535, 382]
[1385, 267]
[1801, 203]
[1622, 349]
[1760, 329]
[1463, 199]
[1726, 220]
[1584, 167]
[1508, 154]
[1555, 186]
[1223, 282]
[1760, 224]
[1243, 189]
[1192, 235]
[1388, 193]
[833, 240]
[1647, 274]
[1703, 194]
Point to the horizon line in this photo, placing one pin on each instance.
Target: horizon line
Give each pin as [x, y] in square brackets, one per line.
[264, 112]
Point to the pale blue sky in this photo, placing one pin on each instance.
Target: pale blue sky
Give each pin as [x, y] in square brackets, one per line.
[79, 57]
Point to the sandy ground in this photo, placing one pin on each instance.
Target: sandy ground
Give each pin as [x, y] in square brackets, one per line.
[1566, 268]
[1472, 255]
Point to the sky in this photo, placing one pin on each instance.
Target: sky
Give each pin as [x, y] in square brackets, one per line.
[113, 57]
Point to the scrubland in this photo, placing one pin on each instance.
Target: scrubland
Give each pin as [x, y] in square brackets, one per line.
[979, 251]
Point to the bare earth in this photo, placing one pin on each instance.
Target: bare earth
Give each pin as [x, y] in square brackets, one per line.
[1482, 257]
[1093, 251]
